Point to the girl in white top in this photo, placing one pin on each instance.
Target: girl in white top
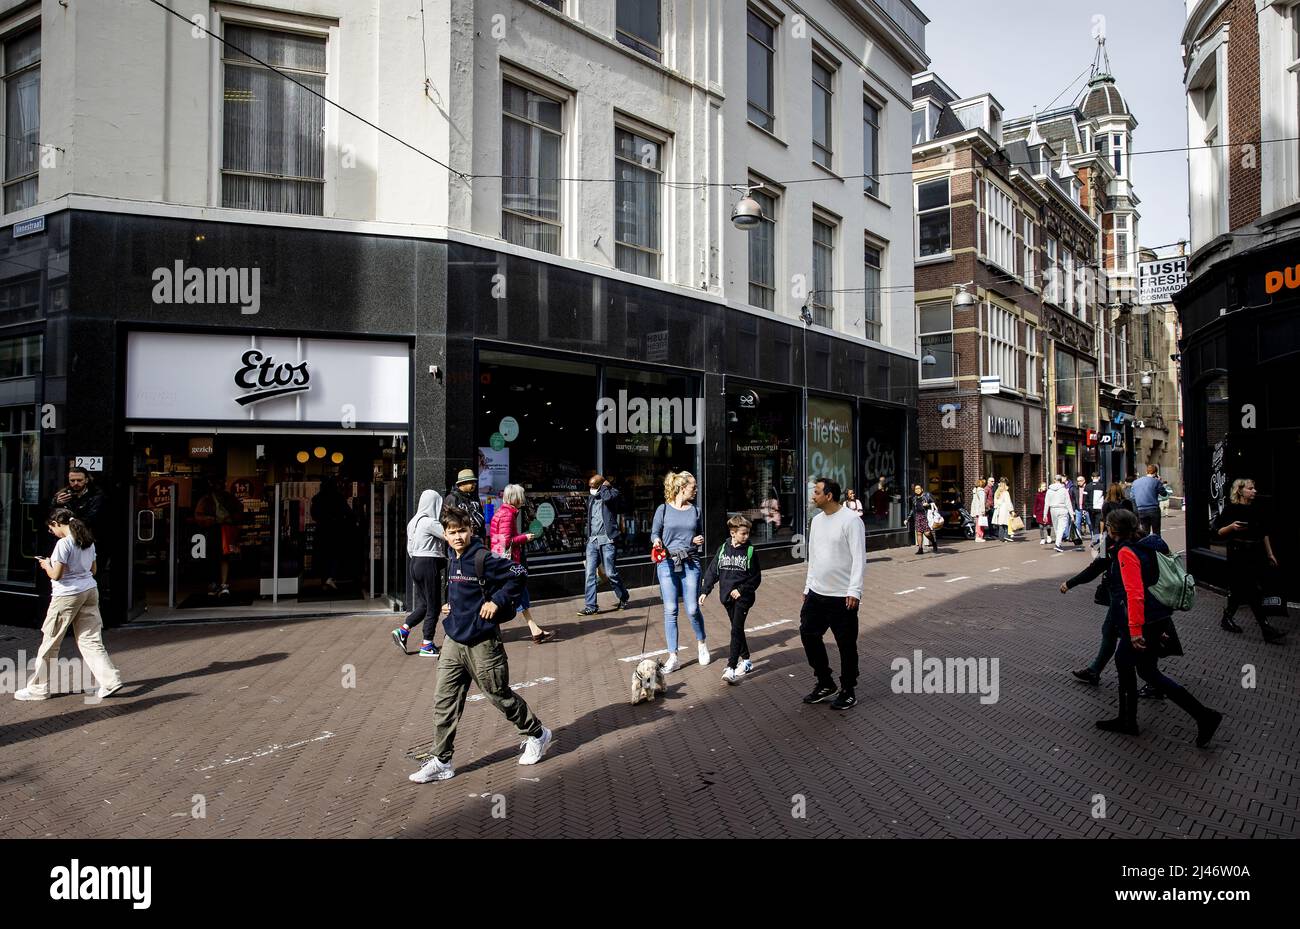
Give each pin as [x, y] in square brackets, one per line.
[74, 604]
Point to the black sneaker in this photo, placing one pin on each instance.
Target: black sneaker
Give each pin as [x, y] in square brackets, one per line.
[844, 701]
[821, 693]
[622, 604]
[588, 611]
[1087, 675]
[1151, 693]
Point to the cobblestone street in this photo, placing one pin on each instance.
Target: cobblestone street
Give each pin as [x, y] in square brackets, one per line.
[251, 724]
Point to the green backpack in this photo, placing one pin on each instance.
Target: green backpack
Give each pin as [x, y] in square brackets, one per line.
[1174, 587]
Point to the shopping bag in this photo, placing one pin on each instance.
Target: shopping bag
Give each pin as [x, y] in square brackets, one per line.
[1015, 524]
[934, 517]
[983, 522]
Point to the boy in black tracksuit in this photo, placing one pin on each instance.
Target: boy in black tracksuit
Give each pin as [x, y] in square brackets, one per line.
[482, 590]
[735, 568]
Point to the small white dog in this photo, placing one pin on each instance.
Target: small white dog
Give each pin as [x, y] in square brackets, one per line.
[647, 681]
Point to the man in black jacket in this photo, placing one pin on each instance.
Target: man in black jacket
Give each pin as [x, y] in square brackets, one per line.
[82, 497]
[601, 528]
[464, 496]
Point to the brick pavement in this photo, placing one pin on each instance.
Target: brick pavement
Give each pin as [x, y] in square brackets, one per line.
[254, 719]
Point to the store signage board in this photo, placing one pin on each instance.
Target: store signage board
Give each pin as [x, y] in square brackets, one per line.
[656, 346]
[197, 378]
[991, 385]
[1067, 408]
[1158, 281]
[201, 447]
[90, 462]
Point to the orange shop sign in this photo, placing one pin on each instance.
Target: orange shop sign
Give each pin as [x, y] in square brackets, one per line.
[1275, 281]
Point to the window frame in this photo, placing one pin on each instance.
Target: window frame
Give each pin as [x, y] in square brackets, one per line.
[827, 309]
[999, 228]
[1032, 376]
[1030, 253]
[524, 84]
[1001, 345]
[871, 179]
[943, 337]
[31, 25]
[774, 196]
[751, 106]
[660, 219]
[825, 148]
[918, 213]
[873, 327]
[640, 44]
[1293, 30]
[1051, 270]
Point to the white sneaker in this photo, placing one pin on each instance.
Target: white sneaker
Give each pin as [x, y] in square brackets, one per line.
[744, 667]
[1042, 541]
[672, 664]
[433, 770]
[26, 694]
[535, 747]
[730, 676]
[703, 652]
[108, 691]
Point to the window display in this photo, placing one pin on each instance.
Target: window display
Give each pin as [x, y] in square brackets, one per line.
[830, 443]
[884, 484]
[762, 460]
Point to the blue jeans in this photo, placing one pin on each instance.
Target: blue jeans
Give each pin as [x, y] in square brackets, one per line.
[1083, 518]
[685, 586]
[602, 553]
[1109, 639]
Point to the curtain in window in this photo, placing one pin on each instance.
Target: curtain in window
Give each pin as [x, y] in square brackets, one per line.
[22, 119]
[274, 140]
[762, 255]
[636, 204]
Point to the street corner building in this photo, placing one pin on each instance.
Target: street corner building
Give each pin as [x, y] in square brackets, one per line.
[266, 326]
[1239, 311]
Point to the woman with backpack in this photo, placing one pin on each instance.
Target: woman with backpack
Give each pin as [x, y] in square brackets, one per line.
[74, 604]
[1144, 628]
[1250, 553]
[922, 502]
[676, 538]
[508, 538]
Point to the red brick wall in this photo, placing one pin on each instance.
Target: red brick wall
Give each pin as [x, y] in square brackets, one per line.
[1243, 109]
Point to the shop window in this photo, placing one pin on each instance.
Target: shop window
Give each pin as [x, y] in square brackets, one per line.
[273, 149]
[650, 424]
[535, 427]
[22, 116]
[21, 508]
[1067, 394]
[943, 479]
[762, 460]
[830, 442]
[1087, 393]
[883, 489]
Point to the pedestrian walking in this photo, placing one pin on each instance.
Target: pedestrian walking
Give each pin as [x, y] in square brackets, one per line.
[426, 547]
[1145, 624]
[676, 533]
[922, 503]
[978, 510]
[1058, 507]
[1248, 530]
[1004, 508]
[508, 537]
[1040, 515]
[74, 604]
[1146, 498]
[736, 571]
[1079, 502]
[482, 590]
[602, 538]
[1096, 494]
[837, 555]
[464, 496]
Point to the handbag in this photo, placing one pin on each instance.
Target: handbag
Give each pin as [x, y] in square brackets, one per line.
[1163, 637]
[934, 517]
[1015, 523]
[983, 522]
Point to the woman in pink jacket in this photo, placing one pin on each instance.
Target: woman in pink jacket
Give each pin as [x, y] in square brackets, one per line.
[506, 536]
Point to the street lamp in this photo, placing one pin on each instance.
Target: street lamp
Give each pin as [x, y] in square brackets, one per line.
[747, 213]
[1146, 378]
[964, 298]
[929, 361]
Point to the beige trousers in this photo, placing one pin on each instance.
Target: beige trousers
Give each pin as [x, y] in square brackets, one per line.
[81, 614]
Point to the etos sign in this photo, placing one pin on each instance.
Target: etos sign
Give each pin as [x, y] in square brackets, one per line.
[268, 380]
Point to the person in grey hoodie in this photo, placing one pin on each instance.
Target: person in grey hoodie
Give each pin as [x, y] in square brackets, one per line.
[427, 549]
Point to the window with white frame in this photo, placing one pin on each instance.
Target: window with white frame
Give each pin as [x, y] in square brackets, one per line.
[1051, 271]
[1120, 240]
[1067, 280]
[760, 69]
[823, 110]
[933, 218]
[1031, 361]
[638, 195]
[532, 142]
[273, 144]
[871, 148]
[762, 254]
[638, 26]
[1031, 257]
[1117, 153]
[934, 323]
[1207, 105]
[822, 299]
[871, 261]
[22, 115]
[1000, 352]
[1000, 236]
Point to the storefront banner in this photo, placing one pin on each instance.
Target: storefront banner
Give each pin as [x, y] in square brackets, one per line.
[830, 441]
[1003, 425]
[493, 471]
[183, 376]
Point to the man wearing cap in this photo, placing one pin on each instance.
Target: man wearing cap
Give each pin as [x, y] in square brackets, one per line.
[465, 496]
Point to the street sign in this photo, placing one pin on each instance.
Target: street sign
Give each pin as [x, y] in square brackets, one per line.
[90, 462]
[991, 384]
[1158, 281]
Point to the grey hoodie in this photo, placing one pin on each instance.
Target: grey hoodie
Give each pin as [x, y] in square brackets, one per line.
[424, 538]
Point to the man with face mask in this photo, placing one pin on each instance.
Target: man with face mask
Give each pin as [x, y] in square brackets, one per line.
[602, 533]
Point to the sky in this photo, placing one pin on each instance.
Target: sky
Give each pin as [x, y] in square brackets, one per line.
[1024, 52]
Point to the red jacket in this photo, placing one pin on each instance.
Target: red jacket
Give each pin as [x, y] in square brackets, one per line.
[501, 534]
[1040, 502]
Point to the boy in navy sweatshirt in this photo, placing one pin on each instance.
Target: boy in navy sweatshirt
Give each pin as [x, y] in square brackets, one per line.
[736, 570]
[482, 591]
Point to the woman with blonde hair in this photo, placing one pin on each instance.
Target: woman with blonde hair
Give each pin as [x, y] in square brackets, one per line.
[979, 510]
[1248, 532]
[74, 604]
[1003, 509]
[676, 534]
[508, 538]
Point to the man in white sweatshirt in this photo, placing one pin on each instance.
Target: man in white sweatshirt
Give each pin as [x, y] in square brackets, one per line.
[837, 556]
[1059, 510]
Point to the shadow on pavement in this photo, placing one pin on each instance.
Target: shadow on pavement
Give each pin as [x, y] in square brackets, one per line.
[142, 687]
[13, 733]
